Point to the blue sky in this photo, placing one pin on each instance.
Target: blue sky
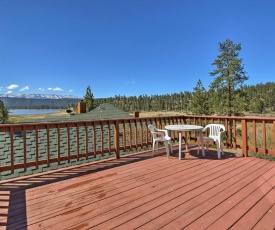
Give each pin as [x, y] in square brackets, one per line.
[129, 47]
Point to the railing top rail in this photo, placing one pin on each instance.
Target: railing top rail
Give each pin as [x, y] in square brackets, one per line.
[232, 117]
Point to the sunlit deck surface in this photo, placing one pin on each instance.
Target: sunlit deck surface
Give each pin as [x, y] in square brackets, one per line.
[141, 191]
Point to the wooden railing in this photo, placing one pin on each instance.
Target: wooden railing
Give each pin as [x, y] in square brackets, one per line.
[32, 148]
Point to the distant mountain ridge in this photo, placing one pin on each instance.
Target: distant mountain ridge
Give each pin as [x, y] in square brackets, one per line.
[38, 101]
[39, 96]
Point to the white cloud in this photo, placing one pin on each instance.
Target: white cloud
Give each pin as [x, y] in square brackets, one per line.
[9, 92]
[24, 88]
[55, 89]
[12, 86]
[1, 88]
[71, 90]
[41, 89]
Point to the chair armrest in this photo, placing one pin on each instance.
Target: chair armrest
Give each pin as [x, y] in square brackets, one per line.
[204, 129]
[158, 133]
[164, 131]
[220, 133]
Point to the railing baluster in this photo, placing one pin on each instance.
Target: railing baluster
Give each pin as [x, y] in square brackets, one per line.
[117, 139]
[254, 135]
[69, 143]
[48, 145]
[130, 133]
[264, 136]
[141, 132]
[102, 138]
[124, 136]
[77, 141]
[94, 138]
[234, 134]
[109, 136]
[244, 137]
[36, 147]
[86, 140]
[25, 147]
[147, 132]
[226, 128]
[136, 133]
[58, 144]
[12, 149]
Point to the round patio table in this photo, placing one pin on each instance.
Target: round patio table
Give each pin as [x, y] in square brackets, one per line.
[184, 128]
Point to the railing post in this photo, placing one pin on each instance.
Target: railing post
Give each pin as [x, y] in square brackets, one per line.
[117, 139]
[244, 137]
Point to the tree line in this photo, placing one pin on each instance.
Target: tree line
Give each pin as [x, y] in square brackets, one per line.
[258, 99]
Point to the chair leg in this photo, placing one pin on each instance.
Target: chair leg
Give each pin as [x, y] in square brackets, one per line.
[222, 150]
[166, 143]
[154, 143]
[199, 144]
[157, 145]
[218, 150]
[219, 154]
[170, 145]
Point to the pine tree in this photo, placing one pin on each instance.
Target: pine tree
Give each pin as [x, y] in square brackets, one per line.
[226, 89]
[4, 113]
[199, 103]
[89, 99]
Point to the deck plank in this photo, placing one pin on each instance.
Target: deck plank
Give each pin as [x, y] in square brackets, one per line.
[134, 207]
[258, 202]
[130, 190]
[145, 192]
[267, 221]
[225, 213]
[200, 203]
[254, 215]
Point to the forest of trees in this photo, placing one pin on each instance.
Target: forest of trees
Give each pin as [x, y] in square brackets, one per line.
[257, 99]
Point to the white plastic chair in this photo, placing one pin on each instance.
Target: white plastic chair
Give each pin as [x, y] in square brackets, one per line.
[215, 131]
[160, 135]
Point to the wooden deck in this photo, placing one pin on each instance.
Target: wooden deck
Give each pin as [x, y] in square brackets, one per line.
[145, 192]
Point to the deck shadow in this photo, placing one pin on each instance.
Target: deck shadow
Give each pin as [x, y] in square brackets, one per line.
[211, 154]
[192, 153]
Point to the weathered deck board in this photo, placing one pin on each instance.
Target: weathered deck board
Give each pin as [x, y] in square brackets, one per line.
[145, 192]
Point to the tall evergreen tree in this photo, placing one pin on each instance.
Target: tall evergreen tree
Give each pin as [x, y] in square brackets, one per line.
[229, 78]
[199, 102]
[89, 99]
[4, 113]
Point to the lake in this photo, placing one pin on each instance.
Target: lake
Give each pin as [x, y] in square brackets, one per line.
[31, 111]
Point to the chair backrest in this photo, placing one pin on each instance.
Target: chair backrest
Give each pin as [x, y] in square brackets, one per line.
[152, 128]
[215, 130]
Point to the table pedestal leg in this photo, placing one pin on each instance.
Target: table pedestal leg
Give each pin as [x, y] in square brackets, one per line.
[202, 144]
[186, 142]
